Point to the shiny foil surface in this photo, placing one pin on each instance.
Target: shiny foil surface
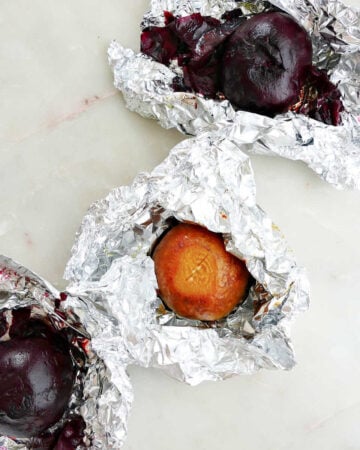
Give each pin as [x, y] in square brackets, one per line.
[332, 152]
[206, 180]
[102, 395]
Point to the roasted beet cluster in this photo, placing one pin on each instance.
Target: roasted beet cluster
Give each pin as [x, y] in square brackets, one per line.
[261, 64]
[37, 372]
[196, 42]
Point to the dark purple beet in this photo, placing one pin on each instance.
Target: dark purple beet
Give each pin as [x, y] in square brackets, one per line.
[203, 70]
[195, 41]
[178, 39]
[265, 63]
[72, 435]
[69, 437]
[20, 324]
[3, 324]
[37, 377]
[190, 29]
[203, 80]
[159, 43]
[320, 99]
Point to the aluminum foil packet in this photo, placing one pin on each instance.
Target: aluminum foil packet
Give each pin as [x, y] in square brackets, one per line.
[102, 393]
[209, 181]
[332, 152]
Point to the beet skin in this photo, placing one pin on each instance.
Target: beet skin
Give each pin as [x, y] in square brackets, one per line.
[265, 63]
[37, 377]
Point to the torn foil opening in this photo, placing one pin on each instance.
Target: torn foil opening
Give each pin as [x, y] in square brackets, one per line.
[208, 181]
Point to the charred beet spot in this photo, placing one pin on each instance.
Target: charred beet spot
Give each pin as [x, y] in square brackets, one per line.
[197, 277]
[265, 63]
[37, 375]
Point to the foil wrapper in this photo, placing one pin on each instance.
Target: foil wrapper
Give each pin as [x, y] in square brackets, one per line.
[205, 180]
[102, 393]
[332, 152]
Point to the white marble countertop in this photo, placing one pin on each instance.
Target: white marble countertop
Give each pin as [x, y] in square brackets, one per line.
[66, 139]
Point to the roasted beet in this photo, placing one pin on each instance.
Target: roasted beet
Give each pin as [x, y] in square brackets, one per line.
[195, 42]
[261, 64]
[197, 277]
[190, 29]
[159, 43]
[265, 63]
[37, 377]
[203, 70]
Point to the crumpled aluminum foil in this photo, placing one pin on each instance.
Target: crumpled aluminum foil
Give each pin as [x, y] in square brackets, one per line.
[332, 152]
[209, 181]
[103, 396]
